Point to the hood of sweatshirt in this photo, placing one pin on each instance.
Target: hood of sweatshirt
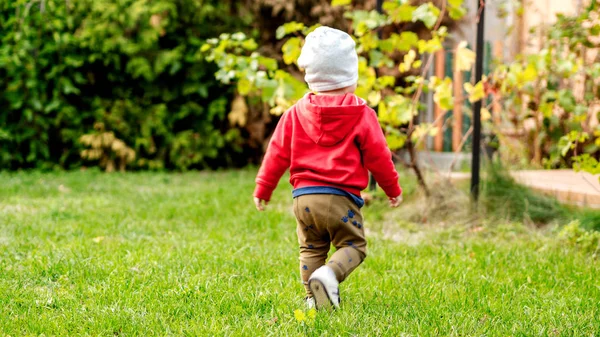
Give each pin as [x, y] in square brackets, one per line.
[328, 119]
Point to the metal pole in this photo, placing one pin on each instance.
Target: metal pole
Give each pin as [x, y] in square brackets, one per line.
[372, 182]
[475, 165]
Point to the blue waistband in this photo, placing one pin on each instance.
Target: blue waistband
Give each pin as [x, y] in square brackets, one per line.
[328, 190]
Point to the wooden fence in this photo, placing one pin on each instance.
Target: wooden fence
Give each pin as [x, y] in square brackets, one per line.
[455, 124]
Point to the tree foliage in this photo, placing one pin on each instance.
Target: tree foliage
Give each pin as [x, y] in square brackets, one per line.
[552, 96]
[133, 66]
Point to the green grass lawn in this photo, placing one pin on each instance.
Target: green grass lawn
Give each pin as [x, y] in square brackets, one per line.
[86, 253]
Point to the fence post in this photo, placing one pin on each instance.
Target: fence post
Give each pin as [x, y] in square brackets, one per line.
[475, 163]
[440, 72]
[496, 106]
[457, 112]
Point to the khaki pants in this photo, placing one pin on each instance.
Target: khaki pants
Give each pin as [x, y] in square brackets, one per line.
[325, 219]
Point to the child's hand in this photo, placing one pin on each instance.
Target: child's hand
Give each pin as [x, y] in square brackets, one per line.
[395, 202]
[260, 204]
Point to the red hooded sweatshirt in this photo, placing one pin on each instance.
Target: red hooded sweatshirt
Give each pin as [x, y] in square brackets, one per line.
[328, 141]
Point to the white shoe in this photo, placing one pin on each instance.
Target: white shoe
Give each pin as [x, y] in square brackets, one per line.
[310, 303]
[324, 286]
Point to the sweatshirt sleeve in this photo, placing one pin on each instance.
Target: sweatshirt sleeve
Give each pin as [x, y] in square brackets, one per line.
[377, 156]
[276, 160]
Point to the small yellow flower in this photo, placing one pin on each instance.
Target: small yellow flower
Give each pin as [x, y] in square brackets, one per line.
[300, 316]
[312, 313]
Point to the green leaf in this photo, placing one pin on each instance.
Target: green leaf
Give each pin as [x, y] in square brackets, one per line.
[547, 109]
[367, 41]
[409, 59]
[291, 50]
[244, 86]
[238, 36]
[140, 67]
[68, 87]
[335, 3]
[443, 94]
[594, 70]
[249, 44]
[386, 81]
[288, 28]
[310, 29]
[28, 113]
[389, 6]
[36, 104]
[54, 105]
[456, 9]
[403, 13]
[566, 100]
[374, 98]
[587, 163]
[378, 59]
[403, 42]
[429, 46]
[205, 47]
[361, 29]
[422, 130]
[407, 41]
[5, 135]
[366, 19]
[395, 141]
[384, 115]
[165, 59]
[581, 110]
[566, 66]
[476, 93]
[427, 13]
[565, 145]
[457, 13]
[398, 110]
[291, 88]
[464, 57]
[268, 63]
[530, 73]
[79, 79]
[267, 88]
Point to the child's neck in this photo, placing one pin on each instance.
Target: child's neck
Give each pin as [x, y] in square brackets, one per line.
[341, 91]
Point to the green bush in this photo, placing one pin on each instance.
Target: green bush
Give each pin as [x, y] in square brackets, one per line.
[590, 219]
[575, 235]
[131, 65]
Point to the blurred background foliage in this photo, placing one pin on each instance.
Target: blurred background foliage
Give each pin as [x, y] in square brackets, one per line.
[130, 68]
[552, 97]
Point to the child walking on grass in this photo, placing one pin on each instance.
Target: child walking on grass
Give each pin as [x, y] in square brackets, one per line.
[329, 140]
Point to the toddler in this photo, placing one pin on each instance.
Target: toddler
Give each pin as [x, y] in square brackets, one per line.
[329, 140]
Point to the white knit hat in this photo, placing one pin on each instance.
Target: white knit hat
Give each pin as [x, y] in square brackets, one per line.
[329, 59]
